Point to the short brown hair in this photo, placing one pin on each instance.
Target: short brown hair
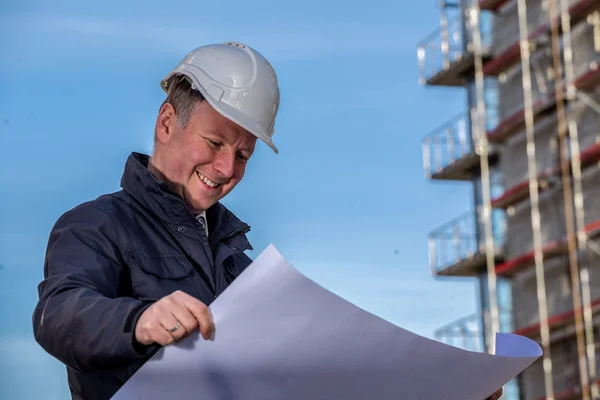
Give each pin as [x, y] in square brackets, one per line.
[183, 98]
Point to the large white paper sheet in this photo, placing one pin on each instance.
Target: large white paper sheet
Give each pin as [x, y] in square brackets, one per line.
[280, 335]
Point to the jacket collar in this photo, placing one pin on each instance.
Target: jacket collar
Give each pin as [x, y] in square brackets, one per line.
[156, 196]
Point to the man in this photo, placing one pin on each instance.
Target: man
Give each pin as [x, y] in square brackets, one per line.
[135, 270]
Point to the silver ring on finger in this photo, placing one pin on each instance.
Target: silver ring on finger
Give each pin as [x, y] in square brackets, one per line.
[177, 326]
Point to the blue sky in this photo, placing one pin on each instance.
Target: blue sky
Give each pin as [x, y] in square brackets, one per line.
[345, 201]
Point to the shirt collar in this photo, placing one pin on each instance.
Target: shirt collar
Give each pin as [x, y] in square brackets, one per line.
[203, 221]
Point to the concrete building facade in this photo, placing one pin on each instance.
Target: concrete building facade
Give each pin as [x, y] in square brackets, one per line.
[538, 64]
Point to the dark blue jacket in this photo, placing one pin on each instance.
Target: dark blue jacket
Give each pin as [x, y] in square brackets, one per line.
[110, 258]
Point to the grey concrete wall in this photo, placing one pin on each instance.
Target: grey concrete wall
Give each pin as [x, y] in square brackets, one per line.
[506, 26]
[564, 366]
[519, 232]
[558, 287]
[584, 53]
[590, 262]
[513, 153]
[564, 359]
[558, 293]
[506, 31]
[559, 300]
[590, 182]
[520, 240]
[510, 84]
[588, 121]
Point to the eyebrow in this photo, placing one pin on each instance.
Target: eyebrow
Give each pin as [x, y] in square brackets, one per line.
[222, 136]
[216, 133]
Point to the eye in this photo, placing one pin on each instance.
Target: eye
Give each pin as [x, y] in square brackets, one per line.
[213, 144]
[242, 157]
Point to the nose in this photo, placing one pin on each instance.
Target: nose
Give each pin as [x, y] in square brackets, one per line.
[224, 164]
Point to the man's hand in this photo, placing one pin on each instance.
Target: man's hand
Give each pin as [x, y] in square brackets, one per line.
[172, 318]
[496, 396]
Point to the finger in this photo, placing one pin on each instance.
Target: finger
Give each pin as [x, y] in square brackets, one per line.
[199, 310]
[148, 329]
[498, 394]
[155, 329]
[176, 318]
[172, 325]
[495, 396]
[161, 336]
[202, 314]
[185, 317]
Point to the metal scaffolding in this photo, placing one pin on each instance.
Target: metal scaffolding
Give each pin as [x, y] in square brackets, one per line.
[534, 198]
[482, 148]
[570, 171]
[551, 94]
[568, 124]
[571, 96]
[567, 194]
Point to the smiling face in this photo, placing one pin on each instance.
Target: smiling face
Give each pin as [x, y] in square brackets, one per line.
[203, 160]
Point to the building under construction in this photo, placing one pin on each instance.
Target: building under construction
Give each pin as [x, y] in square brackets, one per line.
[529, 142]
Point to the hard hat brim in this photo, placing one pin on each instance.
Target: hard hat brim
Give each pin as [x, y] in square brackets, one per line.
[234, 115]
[229, 112]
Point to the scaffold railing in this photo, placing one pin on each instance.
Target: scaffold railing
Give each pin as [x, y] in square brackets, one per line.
[447, 45]
[463, 238]
[447, 144]
[464, 333]
[467, 332]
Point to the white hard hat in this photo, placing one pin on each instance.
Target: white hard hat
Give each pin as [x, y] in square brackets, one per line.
[238, 82]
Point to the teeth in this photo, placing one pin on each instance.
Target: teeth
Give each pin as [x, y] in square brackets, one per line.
[207, 181]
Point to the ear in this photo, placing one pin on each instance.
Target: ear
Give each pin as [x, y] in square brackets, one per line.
[166, 122]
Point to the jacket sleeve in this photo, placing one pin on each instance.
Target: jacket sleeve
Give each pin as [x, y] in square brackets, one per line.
[79, 318]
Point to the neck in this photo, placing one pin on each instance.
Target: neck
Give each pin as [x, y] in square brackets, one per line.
[153, 168]
[158, 174]
[173, 187]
